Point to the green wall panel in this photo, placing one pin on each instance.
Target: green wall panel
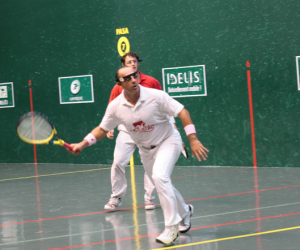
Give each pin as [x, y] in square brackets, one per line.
[44, 40]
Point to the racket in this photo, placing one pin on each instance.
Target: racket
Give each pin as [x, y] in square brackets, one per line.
[36, 128]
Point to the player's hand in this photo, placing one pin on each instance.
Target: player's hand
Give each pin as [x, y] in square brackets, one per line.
[77, 148]
[110, 134]
[198, 149]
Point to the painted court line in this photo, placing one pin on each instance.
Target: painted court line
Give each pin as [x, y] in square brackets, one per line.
[34, 176]
[247, 192]
[193, 218]
[196, 243]
[102, 242]
[244, 221]
[245, 210]
[223, 171]
[228, 238]
[89, 170]
[77, 215]
[66, 216]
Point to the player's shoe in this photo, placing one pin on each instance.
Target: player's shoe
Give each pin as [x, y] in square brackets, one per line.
[186, 224]
[169, 235]
[149, 205]
[113, 203]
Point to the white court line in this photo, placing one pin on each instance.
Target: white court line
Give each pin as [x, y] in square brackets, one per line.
[122, 228]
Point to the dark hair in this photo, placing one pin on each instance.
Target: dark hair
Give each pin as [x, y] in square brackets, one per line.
[117, 73]
[132, 54]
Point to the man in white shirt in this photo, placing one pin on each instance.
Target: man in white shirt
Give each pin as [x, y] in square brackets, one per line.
[125, 146]
[144, 112]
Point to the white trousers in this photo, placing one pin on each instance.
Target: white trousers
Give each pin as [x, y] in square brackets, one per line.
[123, 151]
[159, 164]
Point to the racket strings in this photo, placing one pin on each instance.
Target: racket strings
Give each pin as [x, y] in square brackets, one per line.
[35, 128]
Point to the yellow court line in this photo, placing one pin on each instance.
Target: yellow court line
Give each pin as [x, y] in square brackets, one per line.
[134, 205]
[34, 176]
[229, 238]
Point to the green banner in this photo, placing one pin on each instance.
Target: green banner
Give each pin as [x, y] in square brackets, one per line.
[185, 81]
[7, 95]
[76, 89]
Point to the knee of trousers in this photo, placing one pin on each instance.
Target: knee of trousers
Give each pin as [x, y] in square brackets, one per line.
[117, 166]
[161, 182]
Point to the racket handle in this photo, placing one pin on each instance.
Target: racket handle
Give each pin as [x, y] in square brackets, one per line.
[68, 146]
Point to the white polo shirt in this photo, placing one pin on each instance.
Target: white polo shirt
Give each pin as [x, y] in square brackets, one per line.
[148, 121]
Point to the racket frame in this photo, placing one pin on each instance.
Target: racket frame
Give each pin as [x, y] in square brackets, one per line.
[47, 140]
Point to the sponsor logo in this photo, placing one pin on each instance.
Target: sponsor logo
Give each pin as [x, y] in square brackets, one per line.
[77, 98]
[75, 87]
[178, 89]
[5, 102]
[122, 31]
[3, 92]
[185, 81]
[184, 77]
[142, 127]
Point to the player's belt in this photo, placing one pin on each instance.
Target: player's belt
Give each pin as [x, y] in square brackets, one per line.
[150, 147]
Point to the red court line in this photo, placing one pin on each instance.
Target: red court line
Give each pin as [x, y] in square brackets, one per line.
[251, 117]
[68, 216]
[196, 228]
[103, 242]
[243, 221]
[31, 108]
[100, 212]
[254, 155]
[247, 192]
[257, 204]
[212, 172]
[36, 166]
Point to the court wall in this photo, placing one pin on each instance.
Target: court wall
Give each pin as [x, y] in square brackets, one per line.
[42, 41]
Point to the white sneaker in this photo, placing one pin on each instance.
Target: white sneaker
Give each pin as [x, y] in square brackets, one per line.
[113, 203]
[149, 205]
[169, 235]
[186, 224]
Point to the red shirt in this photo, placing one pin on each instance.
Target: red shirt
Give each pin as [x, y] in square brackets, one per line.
[145, 81]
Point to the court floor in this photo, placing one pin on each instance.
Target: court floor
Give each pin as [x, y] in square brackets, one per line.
[47, 206]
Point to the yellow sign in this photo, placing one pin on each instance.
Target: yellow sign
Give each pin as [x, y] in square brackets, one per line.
[123, 45]
[122, 31]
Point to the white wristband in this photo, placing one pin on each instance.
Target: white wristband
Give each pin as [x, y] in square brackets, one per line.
[91, 139]
[190, 129]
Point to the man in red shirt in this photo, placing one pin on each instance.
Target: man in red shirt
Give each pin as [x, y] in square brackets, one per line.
[125, 146]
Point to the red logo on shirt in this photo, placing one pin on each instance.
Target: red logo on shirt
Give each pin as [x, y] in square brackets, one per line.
[142, 127]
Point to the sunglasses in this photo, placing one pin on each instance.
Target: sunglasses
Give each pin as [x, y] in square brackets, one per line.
[128, 78]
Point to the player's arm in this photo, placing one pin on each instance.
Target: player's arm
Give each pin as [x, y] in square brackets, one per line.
[115, 92]
[197, 148]
[96, 134]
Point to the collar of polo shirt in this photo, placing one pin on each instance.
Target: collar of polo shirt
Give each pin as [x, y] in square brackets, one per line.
[142, 96]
